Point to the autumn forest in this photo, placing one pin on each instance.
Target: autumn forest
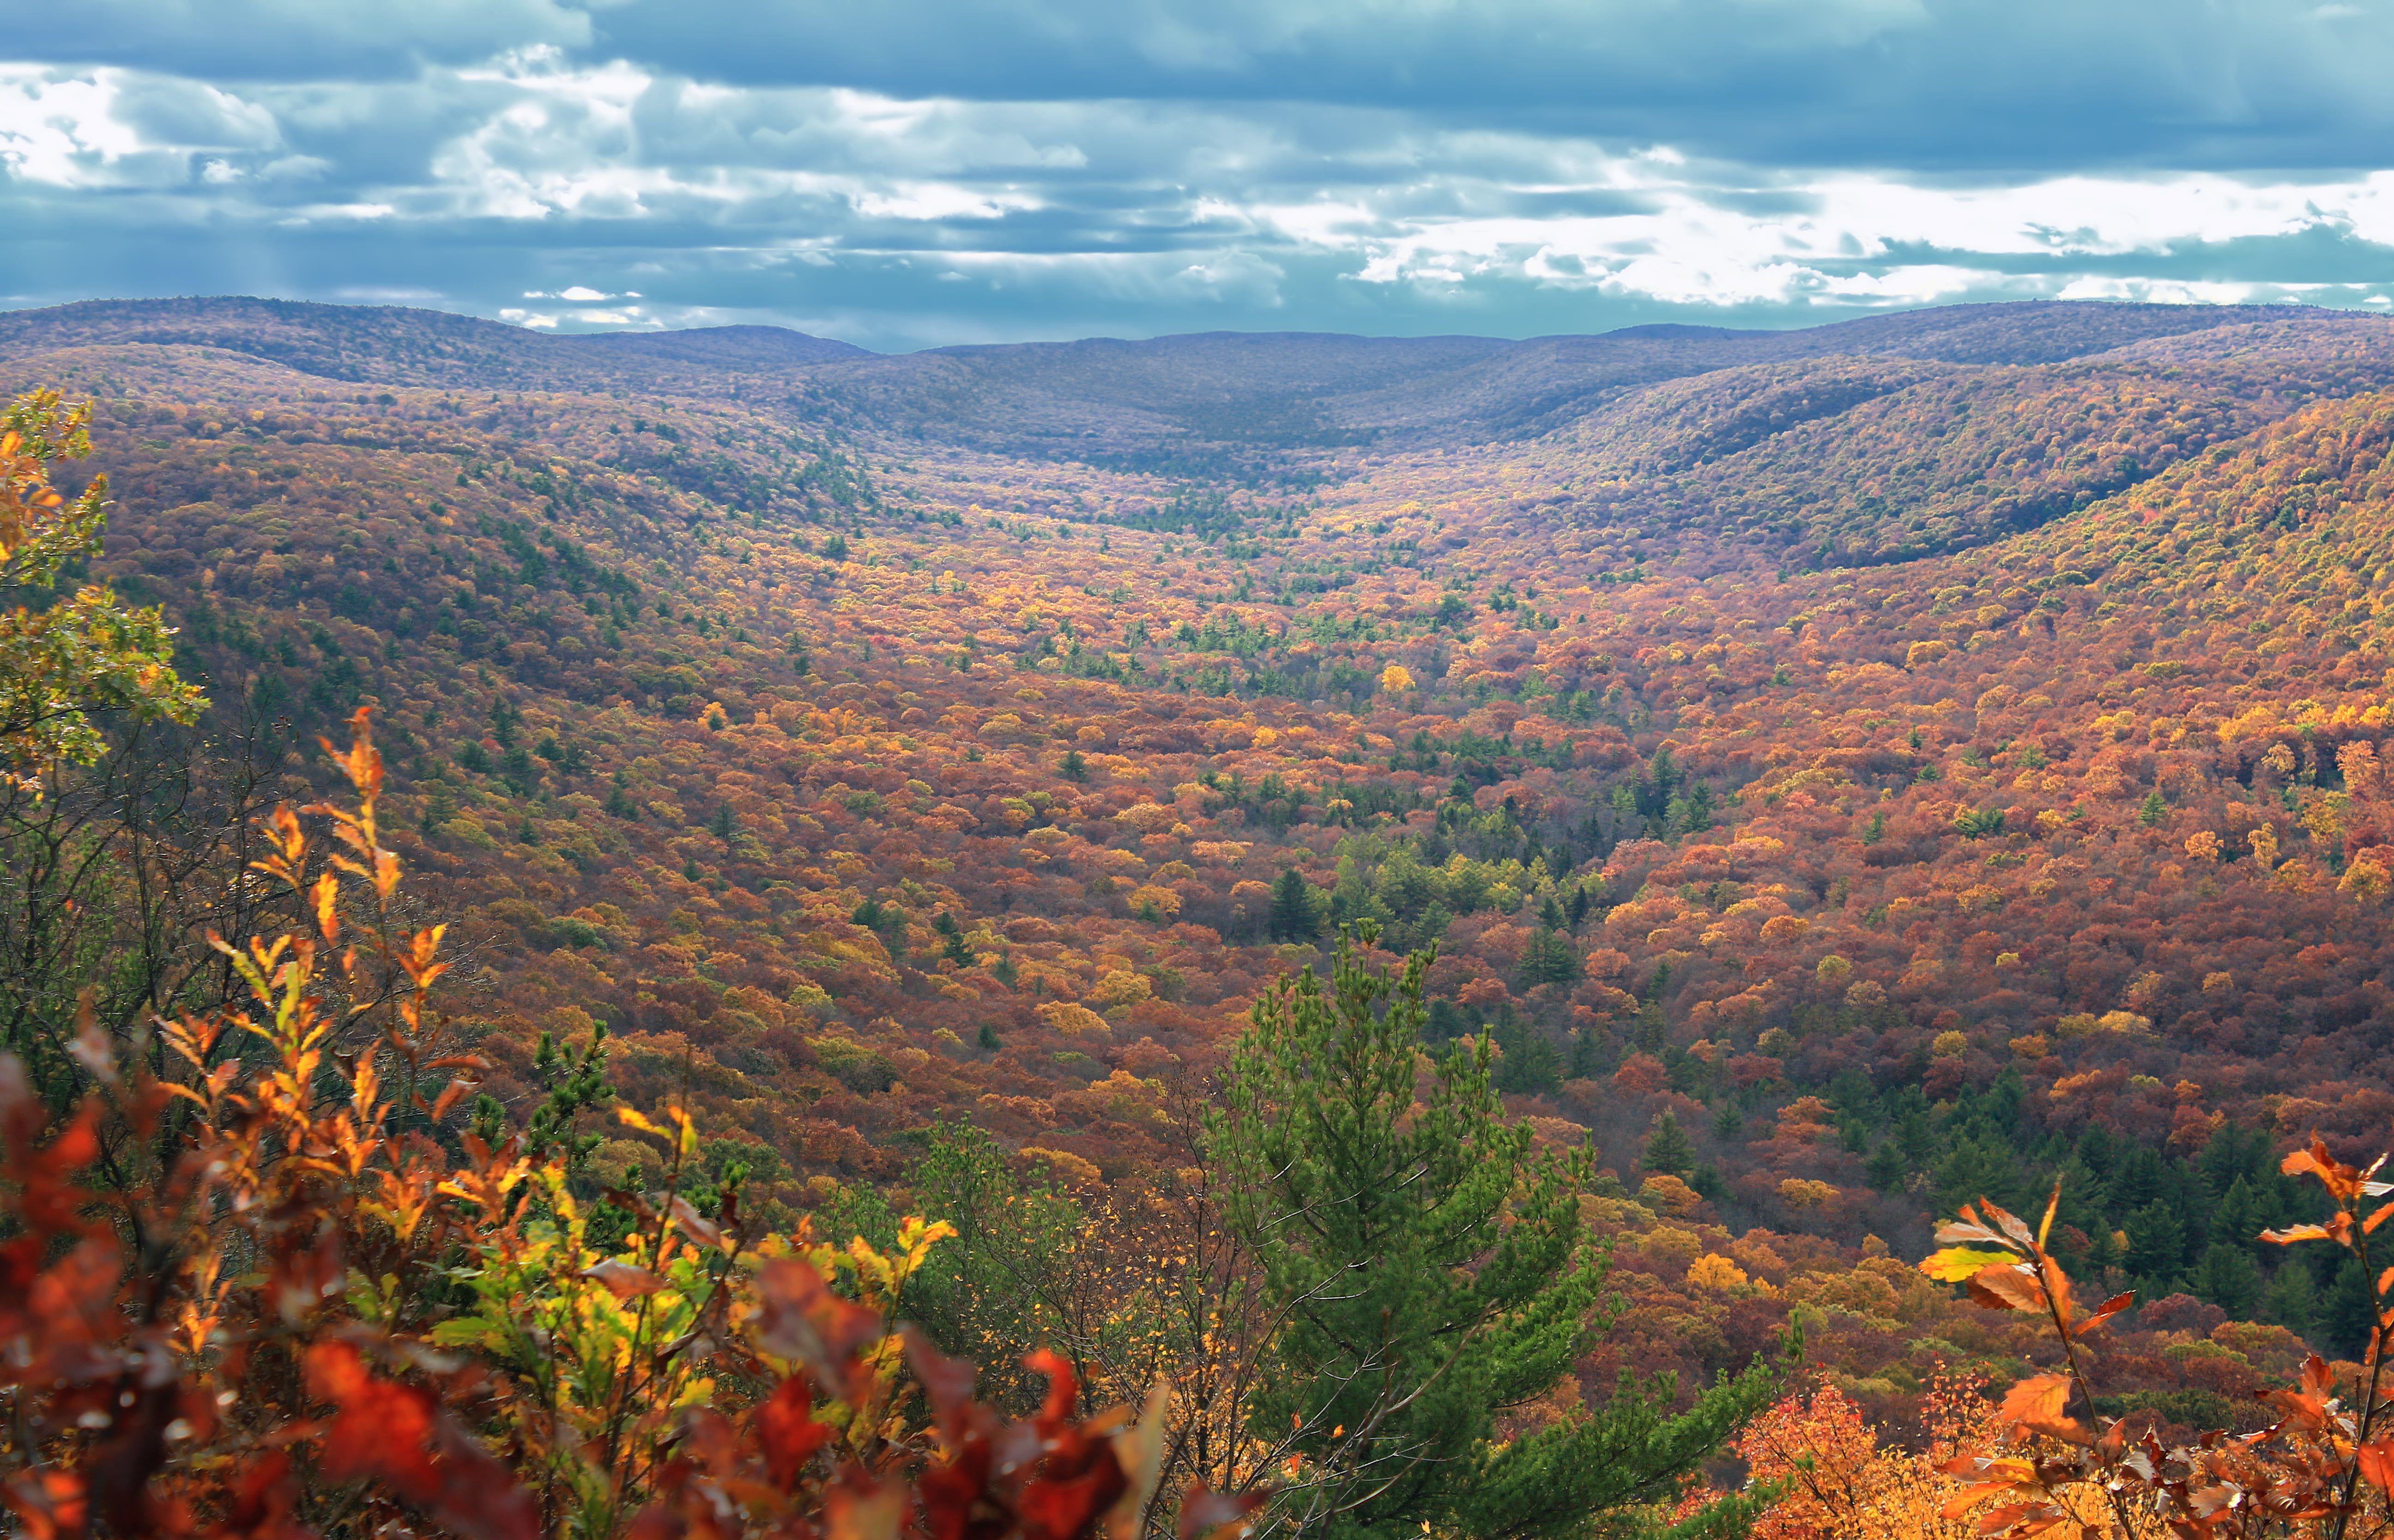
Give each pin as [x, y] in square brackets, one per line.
[830, 903]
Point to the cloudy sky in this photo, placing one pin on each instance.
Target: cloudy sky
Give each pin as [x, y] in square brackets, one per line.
[908, 173]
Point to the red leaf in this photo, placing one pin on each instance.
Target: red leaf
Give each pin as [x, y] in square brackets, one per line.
[263, 1495]
[51, 1505]
[1064, 1509]
[2341, 1182]
[389, 1432]
[696, 1225]
[2375, 1459]
[804, 1322]
[1217, 1515]
[786, 1428]
[624, 1280]
[1063, 1389]
[947, 1384]
[304, 1276]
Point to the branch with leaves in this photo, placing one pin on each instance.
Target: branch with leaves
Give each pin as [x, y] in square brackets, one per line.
[2325, 1464]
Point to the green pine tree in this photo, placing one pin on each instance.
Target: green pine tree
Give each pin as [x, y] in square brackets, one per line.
[2349, 1313]
[2156, 1245]
[2230, 1279]
[1295, 911]
[1549, 958]
[1431, 1271]
[2293, 1298]
[2153, 811]
[1668, 1150]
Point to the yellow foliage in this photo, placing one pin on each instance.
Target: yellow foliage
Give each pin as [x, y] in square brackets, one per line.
[1669, 1194]
[1120, 988]
[1163, 900]
[2365, 882]
[1071, 1020]
[1067, 1167]
[1718, 1273]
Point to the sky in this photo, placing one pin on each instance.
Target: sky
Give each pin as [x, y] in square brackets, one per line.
[904, 174]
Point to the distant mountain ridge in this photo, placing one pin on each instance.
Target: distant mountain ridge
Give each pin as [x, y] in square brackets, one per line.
[1229, 386]
[1859, 442]
[392, 345]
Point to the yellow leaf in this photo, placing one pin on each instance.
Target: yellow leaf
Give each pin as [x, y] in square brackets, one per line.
[633, 1118]
[1960, 1264]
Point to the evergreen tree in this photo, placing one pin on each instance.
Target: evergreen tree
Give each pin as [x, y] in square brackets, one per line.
[2153, 811]
[2350, 1314]
[2156, 1246]
[1668, 1150]
[2293, 1298]
[1549, 958]
[1431, 1272]
[2104, 1254]
[2230, 1279]
[1295, 911]
[504, 721]
[723, 822]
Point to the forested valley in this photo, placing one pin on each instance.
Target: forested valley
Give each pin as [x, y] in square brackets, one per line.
[714, 933]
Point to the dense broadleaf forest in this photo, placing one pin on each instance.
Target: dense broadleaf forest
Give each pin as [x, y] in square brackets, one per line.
[1741, 797]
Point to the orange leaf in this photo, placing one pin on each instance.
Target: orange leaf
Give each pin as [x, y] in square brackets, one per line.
[2341, 1182]
[328, 906]
[2106, 1310]
[2375, 1459]
[2037, 1401]
[2007, 1288]
[874, 1514]
[2057, 1286]
[624, 1280]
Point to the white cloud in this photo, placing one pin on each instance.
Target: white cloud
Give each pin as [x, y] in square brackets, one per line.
[114, 128]
[618, 172]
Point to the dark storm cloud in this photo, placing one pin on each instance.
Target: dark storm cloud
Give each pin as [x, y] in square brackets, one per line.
[908, 172]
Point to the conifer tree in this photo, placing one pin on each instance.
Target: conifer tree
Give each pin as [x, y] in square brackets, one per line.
[1668, 1151]
[1549, 958]
[1295, 913]
[1431, 1271]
